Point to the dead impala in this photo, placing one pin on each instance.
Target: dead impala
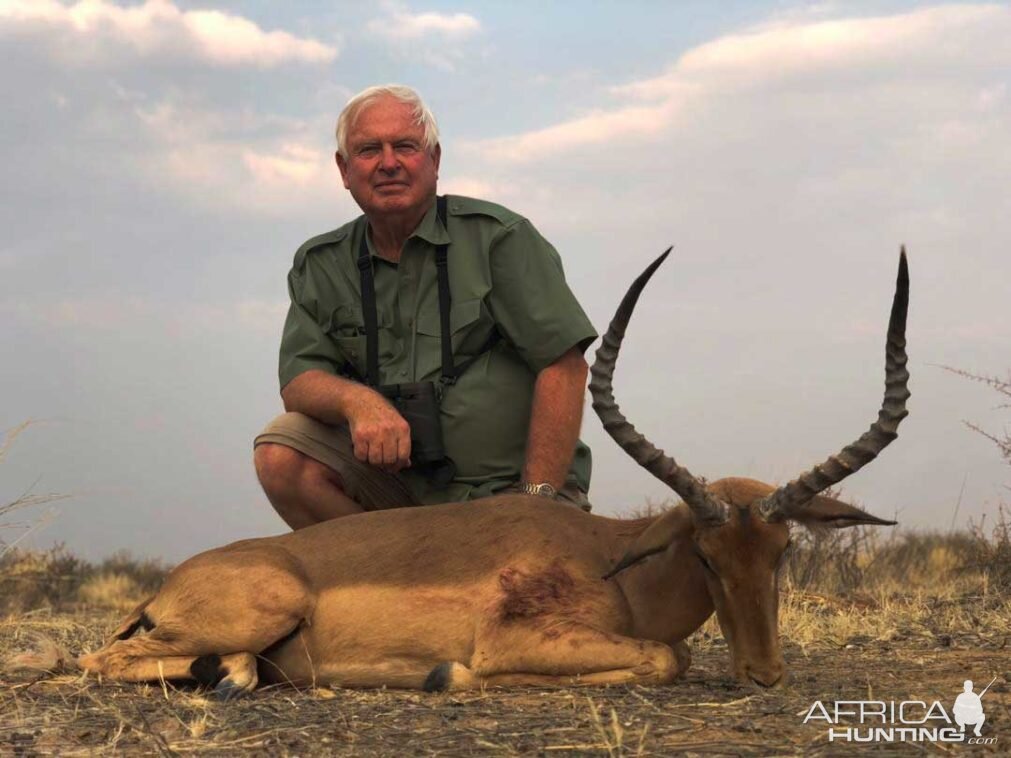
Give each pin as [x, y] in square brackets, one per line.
[504, 591]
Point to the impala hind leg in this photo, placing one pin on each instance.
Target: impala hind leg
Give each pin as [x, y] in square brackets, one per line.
[213, 615]
[230, 675]
[561, 656]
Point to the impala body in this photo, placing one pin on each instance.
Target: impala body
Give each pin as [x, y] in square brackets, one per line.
[509, 590]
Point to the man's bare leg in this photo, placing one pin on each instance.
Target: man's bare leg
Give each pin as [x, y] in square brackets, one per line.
[303, 491]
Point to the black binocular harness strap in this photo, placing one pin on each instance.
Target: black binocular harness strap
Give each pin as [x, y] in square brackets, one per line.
[367, 276]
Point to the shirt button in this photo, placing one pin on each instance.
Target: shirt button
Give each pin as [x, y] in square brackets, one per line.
[403, 372]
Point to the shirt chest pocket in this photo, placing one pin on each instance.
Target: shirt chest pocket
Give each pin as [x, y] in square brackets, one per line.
[346, 327]
[470, 327]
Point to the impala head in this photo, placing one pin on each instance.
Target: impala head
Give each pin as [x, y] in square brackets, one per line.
[739, 528]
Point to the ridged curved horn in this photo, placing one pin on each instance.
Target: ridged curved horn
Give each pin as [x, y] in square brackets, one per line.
[790, 497]
[704, 508]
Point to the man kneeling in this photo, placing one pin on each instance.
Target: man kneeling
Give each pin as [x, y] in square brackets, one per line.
[432, 351]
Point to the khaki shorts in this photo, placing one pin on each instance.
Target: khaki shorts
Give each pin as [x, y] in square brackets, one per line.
[372, 488]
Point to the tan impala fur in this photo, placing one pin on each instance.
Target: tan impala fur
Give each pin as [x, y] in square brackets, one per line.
[504, 591]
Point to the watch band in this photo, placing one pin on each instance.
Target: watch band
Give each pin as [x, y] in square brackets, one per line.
[542, 489]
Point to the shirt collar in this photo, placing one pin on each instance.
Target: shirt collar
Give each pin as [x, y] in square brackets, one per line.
[431, 229]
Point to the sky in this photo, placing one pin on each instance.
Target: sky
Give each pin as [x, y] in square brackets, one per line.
[163, 159]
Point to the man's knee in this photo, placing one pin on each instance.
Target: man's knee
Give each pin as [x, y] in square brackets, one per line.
[275, 463]
[281, 468]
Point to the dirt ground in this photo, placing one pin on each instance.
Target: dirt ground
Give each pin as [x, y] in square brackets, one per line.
[705, 714]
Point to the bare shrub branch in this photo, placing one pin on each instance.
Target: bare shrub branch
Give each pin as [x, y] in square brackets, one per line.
[1003, 387]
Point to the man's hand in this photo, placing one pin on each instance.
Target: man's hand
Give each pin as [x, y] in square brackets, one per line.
[380, 434]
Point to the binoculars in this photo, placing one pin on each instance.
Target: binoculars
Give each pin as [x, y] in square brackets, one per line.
[418, 403]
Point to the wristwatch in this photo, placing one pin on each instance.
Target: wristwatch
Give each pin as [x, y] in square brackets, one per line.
[542, 490]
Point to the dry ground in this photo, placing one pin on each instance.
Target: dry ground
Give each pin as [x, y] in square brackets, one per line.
[884, 647]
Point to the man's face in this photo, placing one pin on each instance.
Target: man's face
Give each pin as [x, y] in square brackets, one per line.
[388, 170]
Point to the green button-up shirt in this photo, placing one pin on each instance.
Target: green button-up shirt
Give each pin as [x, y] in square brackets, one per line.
[503, 275]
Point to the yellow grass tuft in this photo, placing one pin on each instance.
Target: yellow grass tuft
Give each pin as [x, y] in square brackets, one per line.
[112, 590]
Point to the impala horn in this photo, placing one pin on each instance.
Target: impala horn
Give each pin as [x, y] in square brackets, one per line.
[791, 498]
[705, 508]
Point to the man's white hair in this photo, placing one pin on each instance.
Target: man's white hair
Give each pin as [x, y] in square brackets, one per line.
[422, 116]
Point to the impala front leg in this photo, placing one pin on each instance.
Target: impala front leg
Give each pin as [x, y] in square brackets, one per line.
[560, 655]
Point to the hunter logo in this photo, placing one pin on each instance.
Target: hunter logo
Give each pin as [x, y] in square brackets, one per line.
[968, 708]
[905, 721]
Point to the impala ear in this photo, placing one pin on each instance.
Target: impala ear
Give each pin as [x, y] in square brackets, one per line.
[835, 514]
[655, 538]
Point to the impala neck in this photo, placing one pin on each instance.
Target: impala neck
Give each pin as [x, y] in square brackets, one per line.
[668, 592]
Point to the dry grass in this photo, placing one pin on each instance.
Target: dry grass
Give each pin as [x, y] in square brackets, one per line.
[57, 580]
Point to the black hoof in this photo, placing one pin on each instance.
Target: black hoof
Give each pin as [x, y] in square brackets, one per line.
[439, 678]
[227, 690]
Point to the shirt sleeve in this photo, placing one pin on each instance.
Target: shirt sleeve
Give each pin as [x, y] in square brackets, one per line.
[304, 344]
[531, 303]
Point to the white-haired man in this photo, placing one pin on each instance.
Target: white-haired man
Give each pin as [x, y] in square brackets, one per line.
[453, 312]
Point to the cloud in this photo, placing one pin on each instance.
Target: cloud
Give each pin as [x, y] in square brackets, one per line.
[937, 35]
[236, 158]
[292, 164]
[160, 28]
[592, 129]
[436, 39]
[992, 97]
[275, 177]
[468, 186]
[400, 24]
[828, 54]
